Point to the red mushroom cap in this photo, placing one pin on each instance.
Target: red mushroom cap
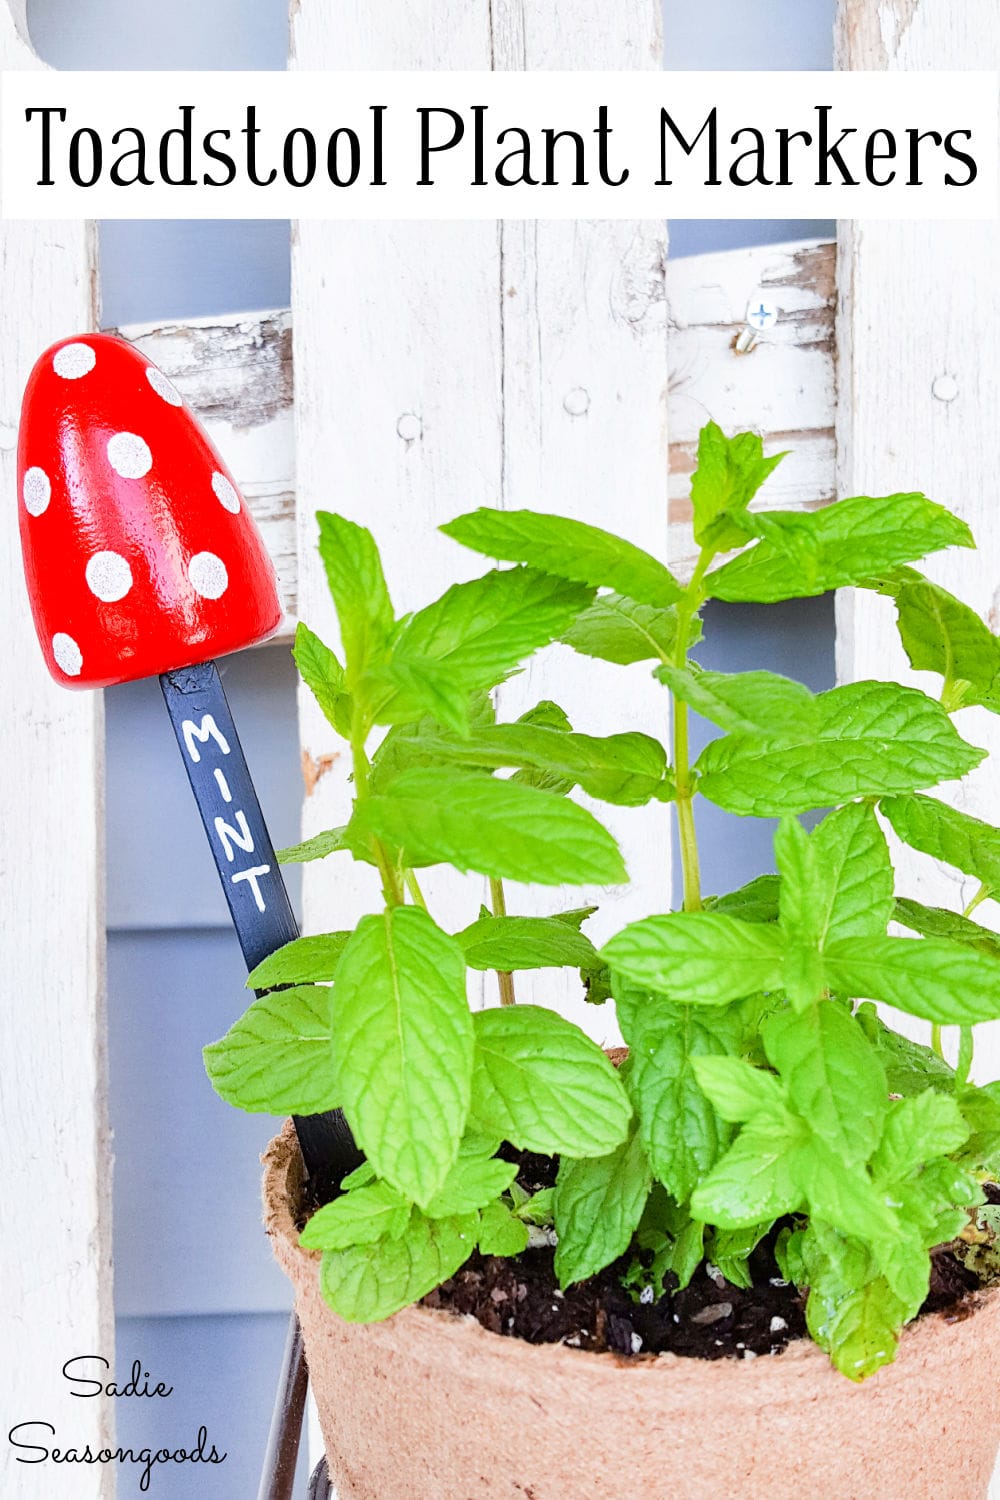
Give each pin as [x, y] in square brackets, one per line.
[139, 553]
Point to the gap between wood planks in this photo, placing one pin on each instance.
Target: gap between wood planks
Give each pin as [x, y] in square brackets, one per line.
[236, 373]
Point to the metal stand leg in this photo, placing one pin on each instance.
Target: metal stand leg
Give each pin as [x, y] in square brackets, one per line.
[278, 1476]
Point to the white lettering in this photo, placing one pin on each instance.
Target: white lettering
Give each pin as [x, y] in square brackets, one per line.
[240, 836]
[223, 784]
[251, 875]
[191, 732]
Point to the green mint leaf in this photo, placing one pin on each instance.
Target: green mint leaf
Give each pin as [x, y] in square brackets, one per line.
[730, 1250]
[940, 634]
[738, 1090]
[330, 841]
[981, 1113]
[544, 715]
[357, 585]
[361, 1217]
[628, 769]
[543, 1085]
[475, 636]
[538, 1207]
[936, 921]
[403, 1044]
[570, 548]
[757, 901]
[472, 1183]
[574, 918]
[616, 628]
[476, 822]
[934, 1205]
[404, 690]
[730, 472]
[362, 1176]
[687, 1252]
[861, 1330]
[278, 1057]
[871, 739]
[756, 1178]
[947, 834]
[932, 978]
[681, 1132]
[835, 883]
[833, 1076]
[512, 943]
[406, 746]
[847, 543]
[851, 850]
[481, 630]
[910, 1067]
[916, 1131]
[305, 960]
[324, 676]
[845, 1197]
[500, 1233]
[700, 958]
[743, 702]
[853, 1311]
[369, 1282]
[547, 715]
[805, 889]
[598, 1204]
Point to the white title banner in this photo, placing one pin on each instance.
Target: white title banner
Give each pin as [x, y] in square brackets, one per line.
[498, 145]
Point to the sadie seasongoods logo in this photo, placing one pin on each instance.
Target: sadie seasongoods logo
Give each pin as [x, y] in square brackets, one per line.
[36, 1441]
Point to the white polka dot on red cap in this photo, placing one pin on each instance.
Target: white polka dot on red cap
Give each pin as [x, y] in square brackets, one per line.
[67, 653]
[164, 387]
[208, 575]
[225, 493]
[73, 361]
[129, 455]
[36, 490]
[109, 576]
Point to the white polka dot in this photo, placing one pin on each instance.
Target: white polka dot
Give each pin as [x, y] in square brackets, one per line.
[67, 654]
[74, 360]
[208, 575]
[37, 491]
[109, 576]
[225, 493]
[129, 455]
[164, 387]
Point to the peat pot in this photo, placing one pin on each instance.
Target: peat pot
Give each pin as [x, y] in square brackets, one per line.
[430, 1406]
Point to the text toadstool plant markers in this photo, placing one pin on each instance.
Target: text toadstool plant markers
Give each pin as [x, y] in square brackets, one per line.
[141, 560]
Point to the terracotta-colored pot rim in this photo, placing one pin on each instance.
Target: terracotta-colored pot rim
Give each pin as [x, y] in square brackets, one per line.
[282, 1187]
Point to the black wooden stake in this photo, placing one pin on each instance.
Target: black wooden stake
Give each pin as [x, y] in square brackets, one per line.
[264, 921]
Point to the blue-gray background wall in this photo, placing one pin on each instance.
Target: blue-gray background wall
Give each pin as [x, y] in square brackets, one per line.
[199, 1303]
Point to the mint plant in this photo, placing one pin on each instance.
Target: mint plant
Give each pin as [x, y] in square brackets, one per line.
[762, 1092]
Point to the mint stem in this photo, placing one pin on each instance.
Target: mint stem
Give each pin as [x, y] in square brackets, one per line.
[687, 608]
[391, 888]
[505, 980]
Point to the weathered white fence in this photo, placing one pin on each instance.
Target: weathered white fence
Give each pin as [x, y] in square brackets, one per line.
[438, 367]
[55, 1177]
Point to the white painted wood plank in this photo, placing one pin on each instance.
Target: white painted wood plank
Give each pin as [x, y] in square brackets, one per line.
[55, 1255]
[921, 308]
[784, 388]
[439, 367]
[237, 371]
[585, 434]
[397, 347]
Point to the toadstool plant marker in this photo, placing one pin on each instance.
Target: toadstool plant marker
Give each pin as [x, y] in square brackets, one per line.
[142, 560]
